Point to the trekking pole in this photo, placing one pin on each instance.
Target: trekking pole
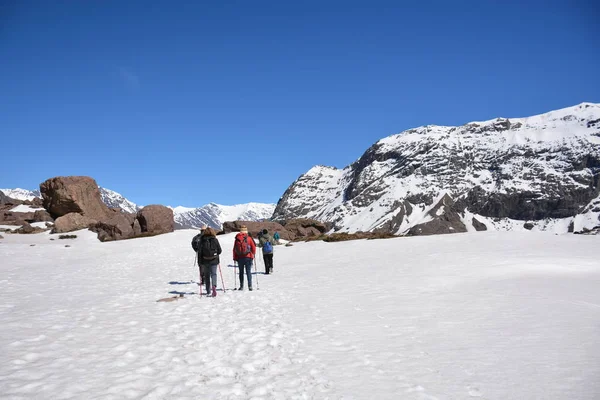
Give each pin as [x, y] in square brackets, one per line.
[192, 281]
[222, 281]
[234, 268]
[256, 274]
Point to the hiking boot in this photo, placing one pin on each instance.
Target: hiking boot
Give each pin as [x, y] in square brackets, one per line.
[250, 289]
[241, 288]
[214, 291]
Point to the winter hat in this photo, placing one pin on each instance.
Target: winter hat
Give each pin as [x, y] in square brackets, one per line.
[265, 231]
[244, 229]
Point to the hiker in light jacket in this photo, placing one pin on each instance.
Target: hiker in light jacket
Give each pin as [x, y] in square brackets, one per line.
[210, 249]
[265, 241]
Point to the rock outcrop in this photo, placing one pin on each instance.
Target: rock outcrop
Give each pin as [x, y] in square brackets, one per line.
[288, 230]
[76, 203]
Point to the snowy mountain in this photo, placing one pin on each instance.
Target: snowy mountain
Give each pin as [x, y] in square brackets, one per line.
[116, 200]
[540, 172]
[21, 194]
[214, 215]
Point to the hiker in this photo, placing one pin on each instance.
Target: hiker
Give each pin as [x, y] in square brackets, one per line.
[244, 250]
[265, 241]
[209, 254]
[276, 237]
[196, 246]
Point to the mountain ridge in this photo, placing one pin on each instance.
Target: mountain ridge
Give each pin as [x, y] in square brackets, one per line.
[543, 166]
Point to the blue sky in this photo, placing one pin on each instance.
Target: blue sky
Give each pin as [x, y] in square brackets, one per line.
[191, 102]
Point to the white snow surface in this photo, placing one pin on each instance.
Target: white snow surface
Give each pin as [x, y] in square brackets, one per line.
[21, 194]
[492, 315]
[25, 208]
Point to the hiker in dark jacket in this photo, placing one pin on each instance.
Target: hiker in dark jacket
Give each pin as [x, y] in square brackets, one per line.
[209, 252]
[265, 241]
[196, 246]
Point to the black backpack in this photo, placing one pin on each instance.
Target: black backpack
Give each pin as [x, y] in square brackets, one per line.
[196, 242]
[208, 249]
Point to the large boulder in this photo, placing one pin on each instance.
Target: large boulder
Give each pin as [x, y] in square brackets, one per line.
[73, 194]
[72, 222]
[155, 219]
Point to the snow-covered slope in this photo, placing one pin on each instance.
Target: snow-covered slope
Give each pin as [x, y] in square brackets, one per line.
[493, 315]
[21, 194]
[116, 200]
[543, 170]
[214, 215]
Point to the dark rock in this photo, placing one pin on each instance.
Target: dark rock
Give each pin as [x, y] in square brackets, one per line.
[115, 226]
[42, 216]
[28, 229]
[478, 225]
[72, 222]
[528, 225]
[444, 219]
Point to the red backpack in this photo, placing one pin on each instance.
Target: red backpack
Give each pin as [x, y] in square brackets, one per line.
[241, 246]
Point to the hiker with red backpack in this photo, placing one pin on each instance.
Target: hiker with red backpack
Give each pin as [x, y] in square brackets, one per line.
[244, 250]
[209, 257]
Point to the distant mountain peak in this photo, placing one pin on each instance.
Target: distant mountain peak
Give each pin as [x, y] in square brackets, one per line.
[213, 214]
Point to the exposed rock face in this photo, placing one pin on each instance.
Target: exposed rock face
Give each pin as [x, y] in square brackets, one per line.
[542, 169]
[73, 194]
[444, 219]
[4, 198]
[156, 219]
